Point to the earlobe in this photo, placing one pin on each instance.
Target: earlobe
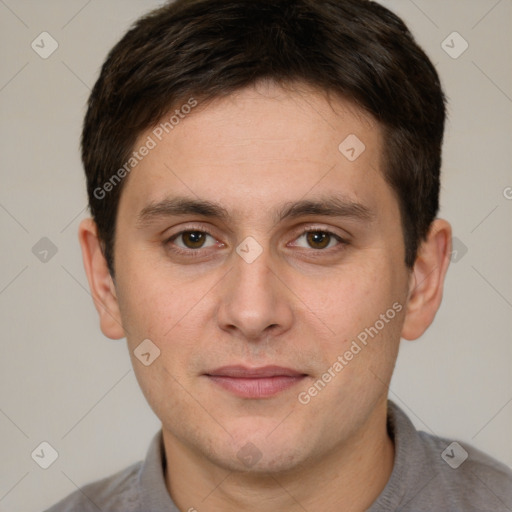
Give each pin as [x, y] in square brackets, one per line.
[100, 281]
[427, 280]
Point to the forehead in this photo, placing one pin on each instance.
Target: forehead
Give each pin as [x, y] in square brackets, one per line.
[284, 123]
[258, 147]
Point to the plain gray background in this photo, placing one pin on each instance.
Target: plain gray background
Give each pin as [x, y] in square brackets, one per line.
[63, 382]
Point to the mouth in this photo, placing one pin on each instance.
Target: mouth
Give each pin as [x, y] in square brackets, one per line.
[263, 382]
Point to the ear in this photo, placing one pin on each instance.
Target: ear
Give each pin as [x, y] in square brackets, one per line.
[100, 281]
[427, 280]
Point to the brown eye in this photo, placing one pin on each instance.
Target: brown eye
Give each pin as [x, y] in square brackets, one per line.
[191, 239]
[318, 239]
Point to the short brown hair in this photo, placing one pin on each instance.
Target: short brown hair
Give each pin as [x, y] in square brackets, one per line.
[206, 49]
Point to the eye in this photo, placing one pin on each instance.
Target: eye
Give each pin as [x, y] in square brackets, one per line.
[193, 239]
[319, 239]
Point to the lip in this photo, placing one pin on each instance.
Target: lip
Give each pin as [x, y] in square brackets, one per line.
[262, 382]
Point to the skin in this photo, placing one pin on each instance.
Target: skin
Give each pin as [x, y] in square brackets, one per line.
[298, 304]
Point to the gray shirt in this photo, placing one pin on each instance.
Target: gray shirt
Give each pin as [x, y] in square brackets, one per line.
[429, 474]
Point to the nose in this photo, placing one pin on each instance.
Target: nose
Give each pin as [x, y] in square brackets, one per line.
[253, 301]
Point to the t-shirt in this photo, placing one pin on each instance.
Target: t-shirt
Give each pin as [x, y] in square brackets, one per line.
[430, 473]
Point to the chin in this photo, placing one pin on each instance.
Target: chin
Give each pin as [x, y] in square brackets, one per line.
[256, 452]
[277, 463]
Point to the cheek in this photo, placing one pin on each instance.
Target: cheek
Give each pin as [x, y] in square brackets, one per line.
[350, 300]
[174, 318]
[364, 310]
[151, 301]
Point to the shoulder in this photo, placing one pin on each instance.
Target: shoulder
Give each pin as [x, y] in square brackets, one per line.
[436, 473]
[118, 492]
[468, 474]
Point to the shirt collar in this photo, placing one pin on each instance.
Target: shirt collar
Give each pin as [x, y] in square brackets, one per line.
[154, 495]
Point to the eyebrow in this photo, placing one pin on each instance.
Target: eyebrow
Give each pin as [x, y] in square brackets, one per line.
[329, 206]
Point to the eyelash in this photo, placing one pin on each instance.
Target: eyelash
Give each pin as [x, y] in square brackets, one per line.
[199, 252]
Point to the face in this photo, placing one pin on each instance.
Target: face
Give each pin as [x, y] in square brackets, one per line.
[265, 262]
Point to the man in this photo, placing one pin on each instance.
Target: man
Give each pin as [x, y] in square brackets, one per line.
[263, 179]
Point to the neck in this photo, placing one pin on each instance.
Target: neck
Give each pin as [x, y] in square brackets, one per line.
[353, 473]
